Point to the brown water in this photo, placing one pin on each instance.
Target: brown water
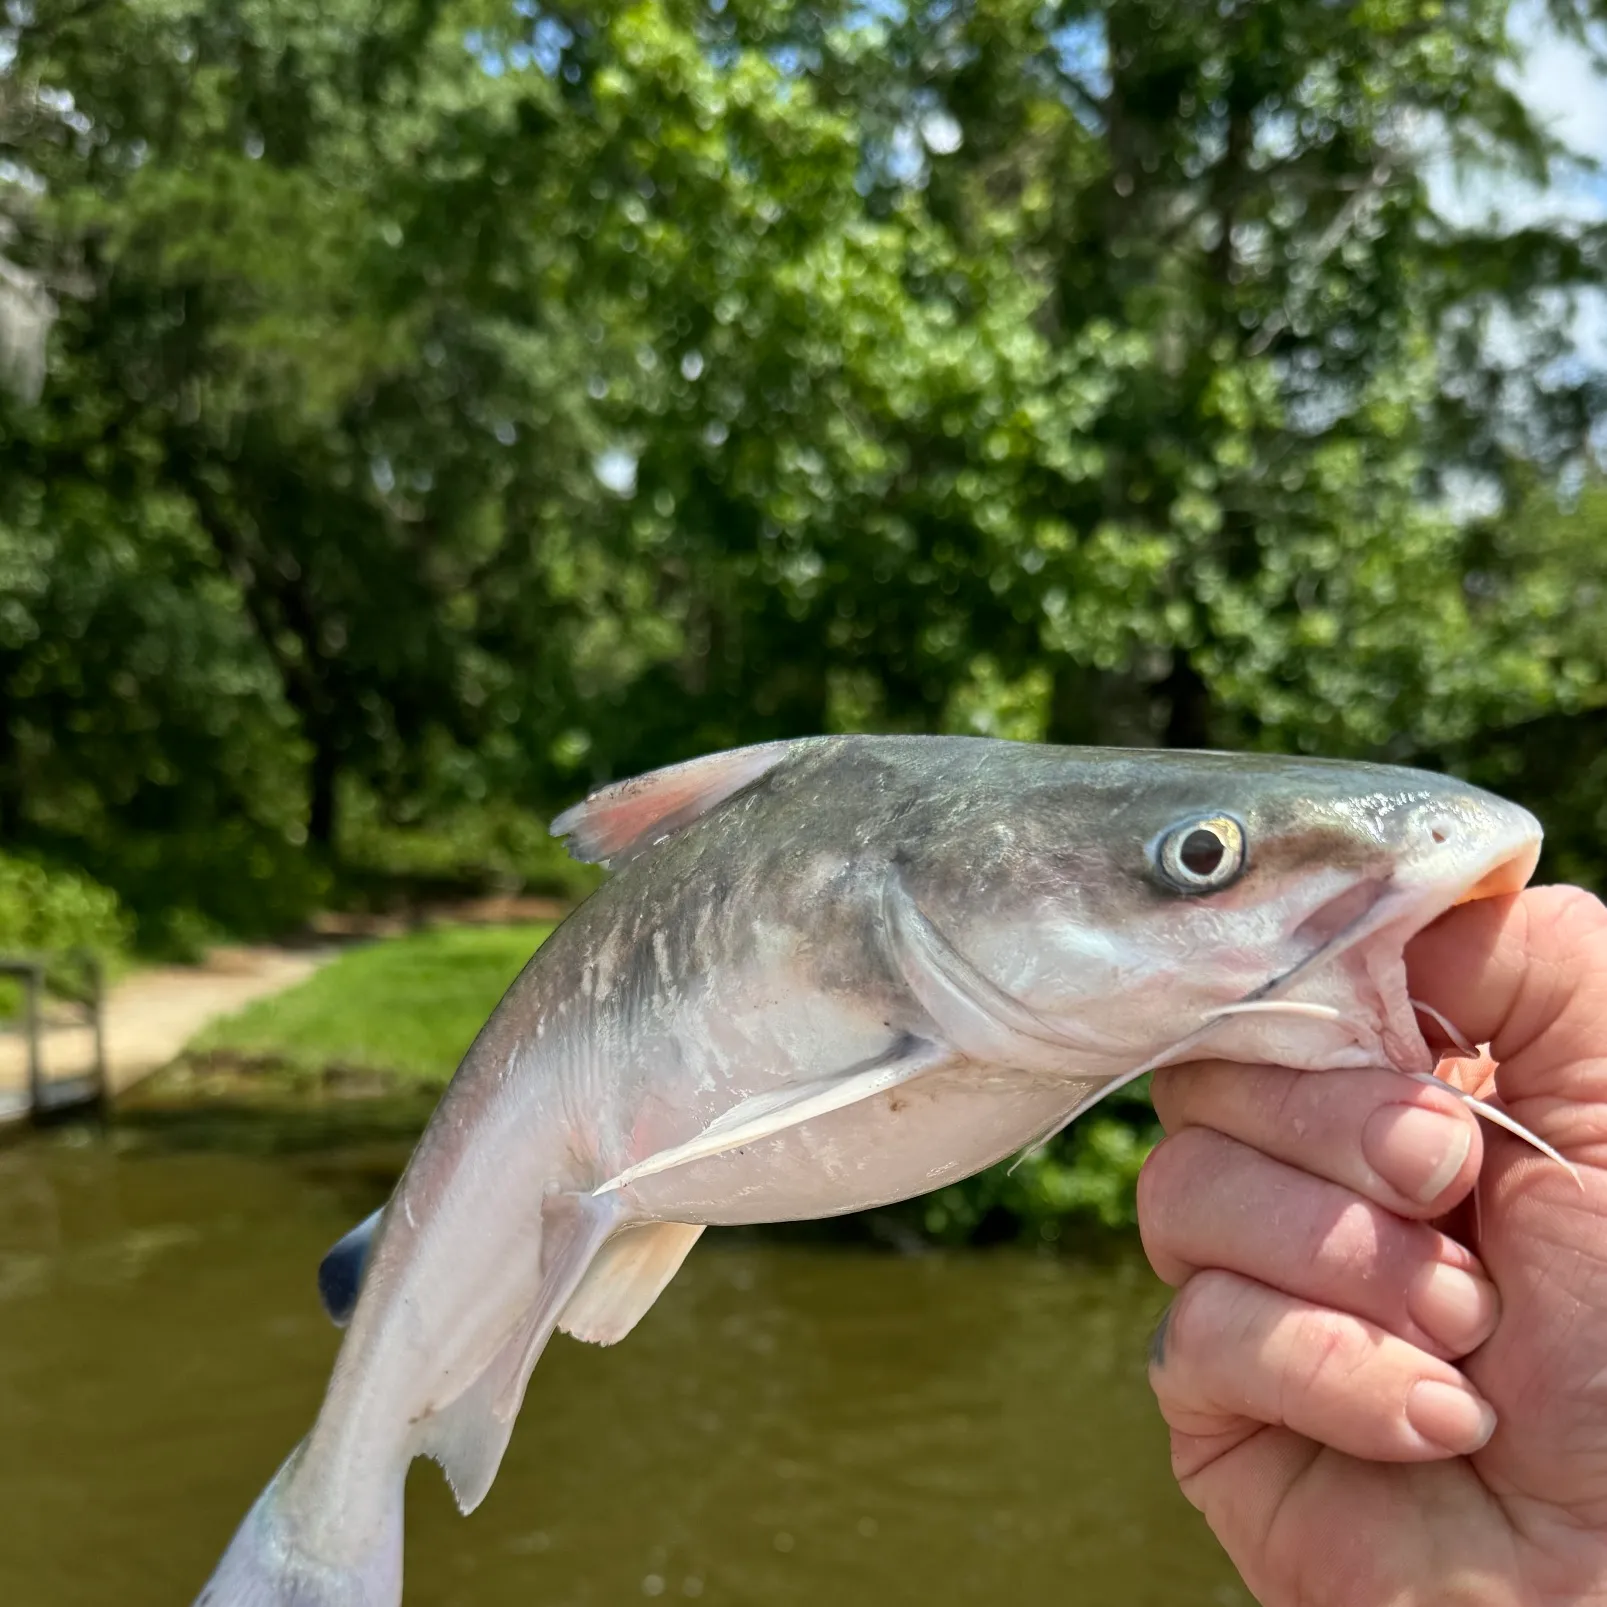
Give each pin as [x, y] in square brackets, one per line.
[790, 1424]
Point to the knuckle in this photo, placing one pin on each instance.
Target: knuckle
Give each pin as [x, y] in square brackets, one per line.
[1161, 1181]
[1179, 1195]
[1152, 1190]
[1288, 1097]
[1204, 1311]
[1345, 1247]
[1167, 1175]
[1195, 1092]
[1167, 1091]
[1324, 1357]
[1183, 1317]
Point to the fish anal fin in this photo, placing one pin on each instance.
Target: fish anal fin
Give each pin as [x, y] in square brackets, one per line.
[468, 1436]
[340, 1273]
[620, 820]
[628, 1274]
[776, 1110]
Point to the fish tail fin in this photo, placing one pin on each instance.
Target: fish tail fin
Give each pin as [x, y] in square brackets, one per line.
[269, 1563]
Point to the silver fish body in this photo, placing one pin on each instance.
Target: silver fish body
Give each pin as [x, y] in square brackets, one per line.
[829, 975]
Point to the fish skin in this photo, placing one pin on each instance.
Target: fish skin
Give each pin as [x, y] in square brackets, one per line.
[823, 919]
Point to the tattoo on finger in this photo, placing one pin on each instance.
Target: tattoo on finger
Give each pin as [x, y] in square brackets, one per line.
[1157, 1340]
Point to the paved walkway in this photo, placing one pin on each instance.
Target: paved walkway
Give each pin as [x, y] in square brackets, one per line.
[151, 1016]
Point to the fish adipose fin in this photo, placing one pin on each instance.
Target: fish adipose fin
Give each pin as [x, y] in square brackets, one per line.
[340, 1273]
[469, 1435]
[769, 1113]
[628, 1274]
[972, 1014]
[616, 823]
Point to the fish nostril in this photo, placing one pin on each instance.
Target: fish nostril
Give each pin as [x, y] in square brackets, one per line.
[1438, 829]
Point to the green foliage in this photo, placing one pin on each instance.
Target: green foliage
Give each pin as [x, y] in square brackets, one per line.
[53, 911]
[56, 914]
[1085, 1177]
[456, 403]
[459, 402]
[408, 1008]
[1541, 588]
[491, 846]
[143, 738]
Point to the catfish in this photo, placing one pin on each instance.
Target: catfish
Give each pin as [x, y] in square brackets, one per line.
[826, 975]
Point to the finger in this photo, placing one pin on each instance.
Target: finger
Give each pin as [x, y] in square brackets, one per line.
[1528, 976]
[1208, 1201]
[1233, 1351]
[1408, 1147]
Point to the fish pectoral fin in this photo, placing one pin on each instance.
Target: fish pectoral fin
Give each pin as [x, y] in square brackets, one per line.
[469, 1435]
[971, 1012]
[627, 1275]
[766, 1114]
[618, 821]
[340, 1273]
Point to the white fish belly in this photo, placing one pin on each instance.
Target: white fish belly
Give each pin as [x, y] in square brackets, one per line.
[937, 1129]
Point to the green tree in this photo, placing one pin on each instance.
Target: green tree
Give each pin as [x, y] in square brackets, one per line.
[540, 393]
[1218, 363]
[1539, 581]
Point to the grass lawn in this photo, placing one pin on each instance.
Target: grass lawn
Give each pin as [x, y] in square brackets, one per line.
[408, 1006]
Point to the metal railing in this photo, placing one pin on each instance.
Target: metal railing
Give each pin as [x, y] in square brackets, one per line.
[42, 978]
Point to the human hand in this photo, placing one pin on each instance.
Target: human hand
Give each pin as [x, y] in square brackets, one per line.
[1337, 1358]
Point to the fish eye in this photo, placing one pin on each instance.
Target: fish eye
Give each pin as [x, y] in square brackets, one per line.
[1201, 856]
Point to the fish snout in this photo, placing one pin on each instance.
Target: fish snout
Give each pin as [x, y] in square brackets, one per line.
[1473, 845]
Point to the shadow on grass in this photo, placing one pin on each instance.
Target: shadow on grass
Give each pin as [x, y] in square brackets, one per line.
[352, 1132]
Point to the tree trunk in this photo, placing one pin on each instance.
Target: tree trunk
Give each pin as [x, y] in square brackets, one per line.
[323, 776]
[1074, 706]
[10, 769]
[1188, 700]
[1100, 708]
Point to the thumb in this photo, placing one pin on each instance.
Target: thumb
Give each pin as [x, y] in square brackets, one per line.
[1526, 974]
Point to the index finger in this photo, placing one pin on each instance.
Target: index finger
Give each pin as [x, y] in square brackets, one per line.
[1407, 1146]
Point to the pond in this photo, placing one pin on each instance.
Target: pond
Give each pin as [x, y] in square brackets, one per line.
[793, 1423]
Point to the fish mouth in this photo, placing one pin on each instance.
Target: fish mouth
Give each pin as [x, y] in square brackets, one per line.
[1512, 876]
[1368, 925]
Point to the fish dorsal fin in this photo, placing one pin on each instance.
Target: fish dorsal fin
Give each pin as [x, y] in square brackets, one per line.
[629, 1273]
[619, 821]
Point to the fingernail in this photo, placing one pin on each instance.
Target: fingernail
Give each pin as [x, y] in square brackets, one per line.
[1456, 1307]
[1415, 1150]
[1450, 1416]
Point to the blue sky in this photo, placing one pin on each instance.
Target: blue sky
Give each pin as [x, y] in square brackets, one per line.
[1559, 81]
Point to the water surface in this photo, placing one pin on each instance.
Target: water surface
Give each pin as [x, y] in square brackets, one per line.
[789, 1425]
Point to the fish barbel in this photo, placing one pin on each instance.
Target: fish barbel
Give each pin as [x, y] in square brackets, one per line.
[827, 975]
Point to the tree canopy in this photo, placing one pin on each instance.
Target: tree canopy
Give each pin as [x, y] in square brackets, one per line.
[452, 403]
